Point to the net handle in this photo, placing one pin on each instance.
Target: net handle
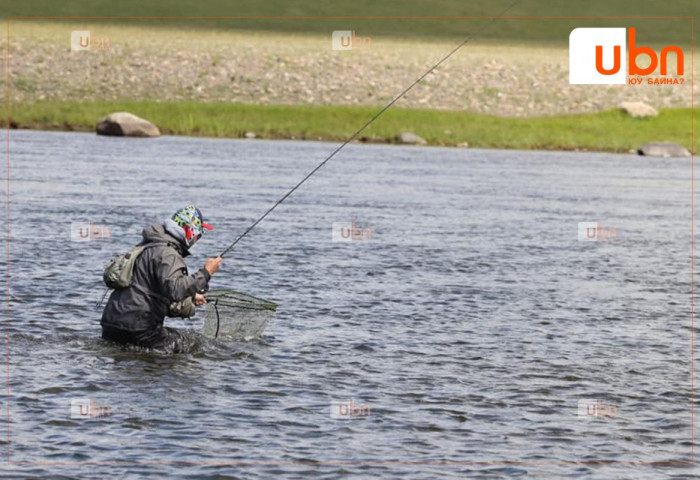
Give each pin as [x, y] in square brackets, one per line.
[216, 309]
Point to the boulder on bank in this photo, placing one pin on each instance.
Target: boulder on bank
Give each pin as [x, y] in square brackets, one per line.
[663, 149]
[638, 109]
[123, 124]
[408, 138]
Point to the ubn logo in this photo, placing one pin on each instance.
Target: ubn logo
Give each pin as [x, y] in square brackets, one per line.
[83, 40]
[594, 232]
[349, 232]
[594, 408]
[346, 40]
[81, 408]
[81, 232]
[349, 410]
[596, 57]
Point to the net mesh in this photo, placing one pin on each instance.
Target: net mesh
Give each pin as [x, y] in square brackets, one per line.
[229, 313]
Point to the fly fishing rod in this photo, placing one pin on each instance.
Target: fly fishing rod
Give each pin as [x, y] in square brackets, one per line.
[367, 124]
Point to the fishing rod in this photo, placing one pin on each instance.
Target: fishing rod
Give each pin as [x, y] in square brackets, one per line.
[367, 124]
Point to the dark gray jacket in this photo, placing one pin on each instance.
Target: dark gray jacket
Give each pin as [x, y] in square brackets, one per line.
[159, 278]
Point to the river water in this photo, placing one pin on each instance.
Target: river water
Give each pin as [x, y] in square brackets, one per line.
[474, 333]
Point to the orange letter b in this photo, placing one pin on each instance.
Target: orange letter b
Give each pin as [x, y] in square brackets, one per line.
[634, 51]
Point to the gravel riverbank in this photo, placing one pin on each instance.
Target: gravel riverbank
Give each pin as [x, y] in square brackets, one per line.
[272, 68]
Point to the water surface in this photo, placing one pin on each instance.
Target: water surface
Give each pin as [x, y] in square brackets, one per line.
[471, 324]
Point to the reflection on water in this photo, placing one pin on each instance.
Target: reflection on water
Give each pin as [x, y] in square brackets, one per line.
[470, 324]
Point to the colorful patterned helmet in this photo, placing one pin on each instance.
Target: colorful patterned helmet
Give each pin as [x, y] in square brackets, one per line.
[192, 222]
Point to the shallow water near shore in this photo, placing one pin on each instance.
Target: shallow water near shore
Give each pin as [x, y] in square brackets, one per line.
[469, 328]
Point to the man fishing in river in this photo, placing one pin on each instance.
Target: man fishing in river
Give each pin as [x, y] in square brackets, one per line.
[160, 285]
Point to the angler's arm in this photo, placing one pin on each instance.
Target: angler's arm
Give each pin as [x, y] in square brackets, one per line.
[175, 283]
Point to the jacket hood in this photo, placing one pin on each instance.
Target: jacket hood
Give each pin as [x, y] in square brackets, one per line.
[156, 233]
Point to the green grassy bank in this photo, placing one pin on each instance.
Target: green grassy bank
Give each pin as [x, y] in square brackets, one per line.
[605, 131]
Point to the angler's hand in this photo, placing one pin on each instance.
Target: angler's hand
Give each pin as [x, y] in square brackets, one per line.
[212, 265]
[199, 299]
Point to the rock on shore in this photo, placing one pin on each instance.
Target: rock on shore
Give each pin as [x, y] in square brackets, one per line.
[408, 138]
[638, 109]
[663, 149]
[124, 124]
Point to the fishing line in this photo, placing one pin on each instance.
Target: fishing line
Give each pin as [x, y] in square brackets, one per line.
[367, 124]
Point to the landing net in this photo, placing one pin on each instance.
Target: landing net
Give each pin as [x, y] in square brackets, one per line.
[229, 313]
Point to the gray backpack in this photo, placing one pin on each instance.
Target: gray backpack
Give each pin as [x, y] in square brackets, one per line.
[119, 270]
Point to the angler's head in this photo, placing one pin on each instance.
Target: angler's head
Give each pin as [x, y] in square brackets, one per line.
[191, 221]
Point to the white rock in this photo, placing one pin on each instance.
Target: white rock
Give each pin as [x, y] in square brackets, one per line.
[409, 138]
[123, 124]
[638, 109]
[663, 149]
